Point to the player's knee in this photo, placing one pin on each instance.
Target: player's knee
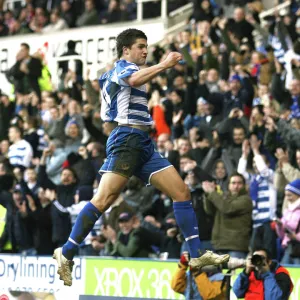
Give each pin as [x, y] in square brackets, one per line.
[187, 193]
[183, 194]
[105, 200]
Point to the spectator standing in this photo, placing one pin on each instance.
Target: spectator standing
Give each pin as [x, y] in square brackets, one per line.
[53, 158]
[20, 226]
[232, 216]
[263, 195]
[285, 171]
[205, 221]
[31, 179]
[65, 192]
[83, 193]
[40, 212]
[288, 226]
[65, 66]
[6, 113]
[24, 74]
[20, 152]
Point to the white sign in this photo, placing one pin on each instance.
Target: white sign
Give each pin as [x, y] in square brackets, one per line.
[95, 44]
[39, 274]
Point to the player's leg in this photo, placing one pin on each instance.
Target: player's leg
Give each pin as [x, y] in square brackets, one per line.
[122, 161]
[110, 187]
[169, 182]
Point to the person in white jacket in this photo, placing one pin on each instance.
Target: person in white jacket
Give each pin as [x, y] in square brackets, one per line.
[263, 195]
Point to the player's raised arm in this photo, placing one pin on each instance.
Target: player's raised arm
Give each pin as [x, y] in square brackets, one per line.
[142, 76]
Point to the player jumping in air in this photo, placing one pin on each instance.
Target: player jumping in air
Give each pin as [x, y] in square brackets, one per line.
[130, 151]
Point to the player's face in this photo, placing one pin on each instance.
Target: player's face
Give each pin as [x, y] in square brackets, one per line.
[137, 53]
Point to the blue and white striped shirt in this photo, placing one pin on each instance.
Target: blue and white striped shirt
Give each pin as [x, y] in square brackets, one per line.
[20, 154]
[264, 207]
[120, 102]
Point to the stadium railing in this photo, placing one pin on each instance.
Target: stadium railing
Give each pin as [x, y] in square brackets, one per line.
[9, 4]
[280, 8]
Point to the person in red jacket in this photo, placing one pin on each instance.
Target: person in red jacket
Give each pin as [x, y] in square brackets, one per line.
[263, 279]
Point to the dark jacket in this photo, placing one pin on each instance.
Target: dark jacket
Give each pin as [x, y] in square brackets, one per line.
[19, 228]
[43, 233]
[84, 169]
[277, 284]
[134, 244]
[6, 114]
[33, 139]
[26, 83]
[232, 220]
[205, 221]
[65, 195]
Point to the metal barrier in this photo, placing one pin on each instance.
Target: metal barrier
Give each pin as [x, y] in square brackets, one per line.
[181, 10]
[278, 8]
[164, 9]
[9, 4]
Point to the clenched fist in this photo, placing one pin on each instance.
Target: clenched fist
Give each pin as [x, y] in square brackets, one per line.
[172, 59]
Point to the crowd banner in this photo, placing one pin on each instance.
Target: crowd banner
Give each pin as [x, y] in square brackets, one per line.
[95, 45]
[100, 278]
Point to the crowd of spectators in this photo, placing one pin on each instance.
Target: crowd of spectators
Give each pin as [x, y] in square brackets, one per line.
[227, 118]
[44, 16]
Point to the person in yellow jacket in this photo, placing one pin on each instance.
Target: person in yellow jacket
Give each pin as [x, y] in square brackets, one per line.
[7, 247]
[197, 284]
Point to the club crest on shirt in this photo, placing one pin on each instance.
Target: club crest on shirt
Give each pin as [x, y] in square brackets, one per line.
[124, 166]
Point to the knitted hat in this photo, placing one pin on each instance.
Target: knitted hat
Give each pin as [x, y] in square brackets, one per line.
[294, 187]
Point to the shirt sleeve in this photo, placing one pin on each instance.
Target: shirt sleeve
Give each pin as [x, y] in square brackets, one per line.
[125, 69]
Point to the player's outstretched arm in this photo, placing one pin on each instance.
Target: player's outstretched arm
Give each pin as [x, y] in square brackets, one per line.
[142, 76]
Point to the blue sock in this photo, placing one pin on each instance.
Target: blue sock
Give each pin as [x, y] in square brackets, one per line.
[82, 227]
[187, 222]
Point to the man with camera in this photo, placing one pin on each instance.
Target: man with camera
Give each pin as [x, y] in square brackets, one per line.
[263, 279]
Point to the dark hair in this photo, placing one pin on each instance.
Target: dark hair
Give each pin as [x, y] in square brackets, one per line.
[268, 253]
[33, 122]
[186, 155]
[127, 38]
[184, 137]
[17, 128]
[236, 174]
[239, 127]
[296, 47]
[6, 182]
[72, 171]
[25, 45]
[260, 109]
